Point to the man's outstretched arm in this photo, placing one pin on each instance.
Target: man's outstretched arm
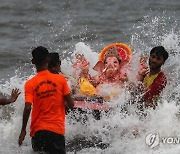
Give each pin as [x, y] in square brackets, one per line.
[14, 95]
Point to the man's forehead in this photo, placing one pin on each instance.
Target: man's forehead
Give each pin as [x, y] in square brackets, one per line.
[158, 55]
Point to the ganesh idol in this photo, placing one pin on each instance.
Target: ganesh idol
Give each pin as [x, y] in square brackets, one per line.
[111, 70]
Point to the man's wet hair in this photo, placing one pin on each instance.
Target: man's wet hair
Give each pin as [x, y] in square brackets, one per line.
[39, 55]
[160, 51]
[54, 59]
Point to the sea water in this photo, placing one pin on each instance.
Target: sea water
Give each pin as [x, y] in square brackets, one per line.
[86, 27]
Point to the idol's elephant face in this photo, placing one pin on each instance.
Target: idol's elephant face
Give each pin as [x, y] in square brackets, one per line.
[111, 66]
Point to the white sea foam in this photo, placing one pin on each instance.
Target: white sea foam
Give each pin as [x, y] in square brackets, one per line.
[122, 133]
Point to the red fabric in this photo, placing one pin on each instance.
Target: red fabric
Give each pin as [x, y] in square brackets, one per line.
[156, 87]
[91, 105]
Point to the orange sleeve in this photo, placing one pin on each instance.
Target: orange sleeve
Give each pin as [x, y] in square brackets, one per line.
[66, 89]
[28, 93]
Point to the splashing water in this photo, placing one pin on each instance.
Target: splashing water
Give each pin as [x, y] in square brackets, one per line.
[116, 131]
[127, 133]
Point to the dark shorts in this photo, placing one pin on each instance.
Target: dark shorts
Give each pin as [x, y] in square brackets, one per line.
[50, 142]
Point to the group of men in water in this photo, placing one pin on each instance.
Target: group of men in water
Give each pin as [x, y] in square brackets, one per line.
[47, 93]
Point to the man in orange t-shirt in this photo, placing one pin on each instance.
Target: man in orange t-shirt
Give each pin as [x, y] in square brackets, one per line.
[45, 92]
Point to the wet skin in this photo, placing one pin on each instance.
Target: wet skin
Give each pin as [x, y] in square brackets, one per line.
[155, 61]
